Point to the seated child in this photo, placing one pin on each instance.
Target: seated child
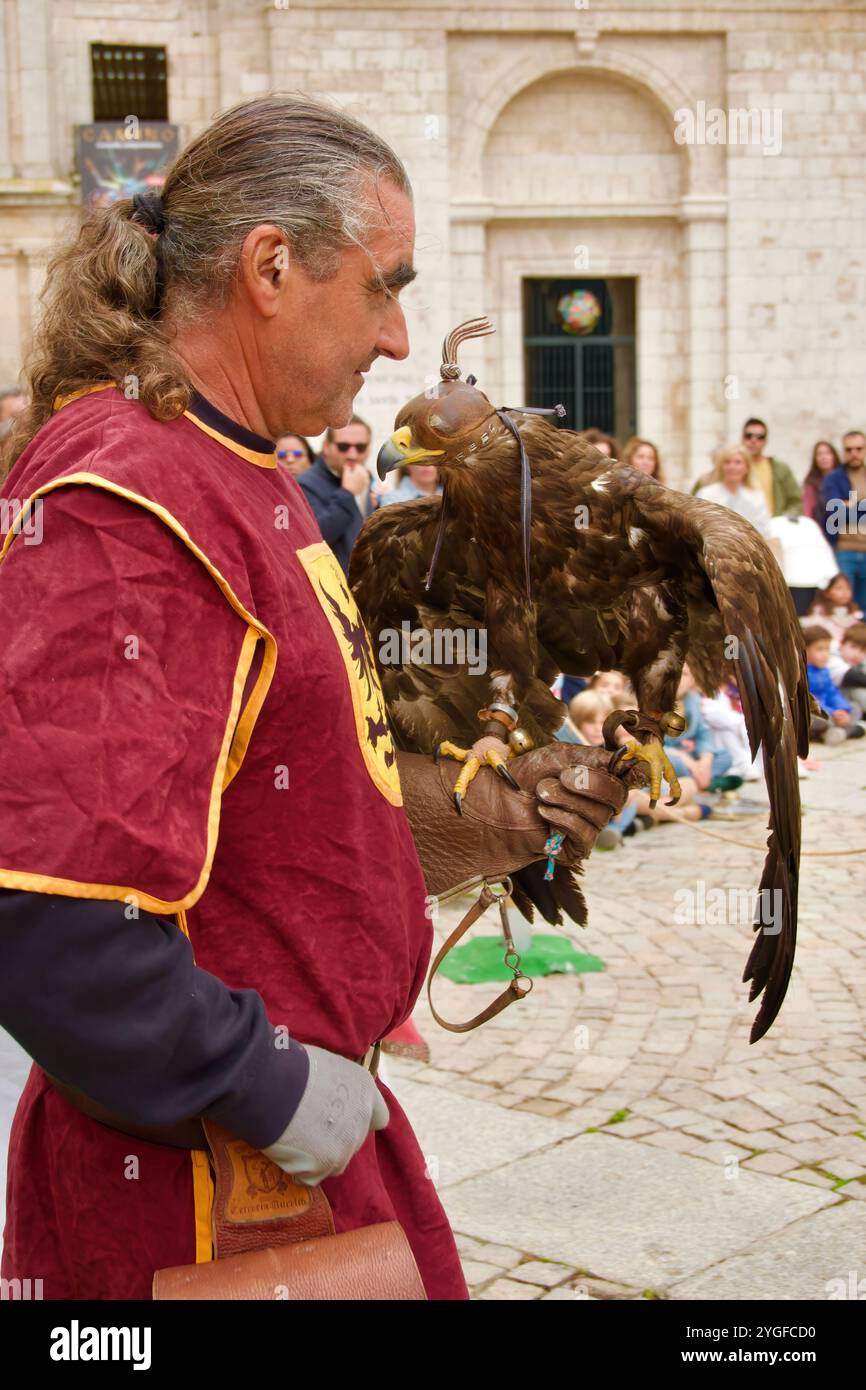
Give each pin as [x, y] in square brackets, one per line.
[586, 715]
[614, 685]
[587, 712]
[848, 667]
[694, 752]
[727, 725]
[840, 723]
[834, 607]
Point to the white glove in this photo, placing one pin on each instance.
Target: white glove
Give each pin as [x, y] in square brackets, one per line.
[341, 1103]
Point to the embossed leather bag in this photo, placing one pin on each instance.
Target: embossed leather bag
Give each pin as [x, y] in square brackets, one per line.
[274, 1239]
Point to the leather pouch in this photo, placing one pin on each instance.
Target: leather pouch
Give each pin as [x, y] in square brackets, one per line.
[274, 1239]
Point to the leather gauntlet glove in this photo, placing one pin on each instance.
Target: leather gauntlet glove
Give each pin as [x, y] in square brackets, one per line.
[563, 786]
[341, 1103]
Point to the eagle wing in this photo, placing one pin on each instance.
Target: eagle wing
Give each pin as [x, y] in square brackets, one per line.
[742, 622]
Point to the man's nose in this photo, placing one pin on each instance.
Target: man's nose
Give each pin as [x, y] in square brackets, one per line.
[394, 338]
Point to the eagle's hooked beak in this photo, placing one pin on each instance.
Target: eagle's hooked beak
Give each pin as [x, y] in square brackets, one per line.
[398, 449]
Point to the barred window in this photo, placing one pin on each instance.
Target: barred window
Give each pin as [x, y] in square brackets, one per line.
[129, 80]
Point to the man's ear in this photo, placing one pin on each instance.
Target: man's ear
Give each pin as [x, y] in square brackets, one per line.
[263, 268]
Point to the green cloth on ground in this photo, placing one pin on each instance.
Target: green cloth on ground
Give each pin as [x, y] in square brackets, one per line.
[482, 959]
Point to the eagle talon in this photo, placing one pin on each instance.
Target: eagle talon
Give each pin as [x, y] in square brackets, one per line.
[660, 767]
[502, 771]
[616, 759]
[486, 749]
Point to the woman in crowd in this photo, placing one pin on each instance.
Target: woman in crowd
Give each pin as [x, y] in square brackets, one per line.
[605, 443]
[644, 455]
[824, 459]
[294, 453]
[732, 487]
[414, 481]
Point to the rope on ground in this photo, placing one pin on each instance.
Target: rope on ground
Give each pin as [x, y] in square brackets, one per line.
[762, 849]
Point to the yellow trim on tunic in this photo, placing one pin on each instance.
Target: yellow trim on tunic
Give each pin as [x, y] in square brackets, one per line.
[261, 460]
[61, 401]
[203, 1187]
[256, 456]
[237, 731]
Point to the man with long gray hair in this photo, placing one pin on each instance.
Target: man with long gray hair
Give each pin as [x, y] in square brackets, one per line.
[211, 904]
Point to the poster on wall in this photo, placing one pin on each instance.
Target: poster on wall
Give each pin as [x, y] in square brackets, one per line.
[117, 159]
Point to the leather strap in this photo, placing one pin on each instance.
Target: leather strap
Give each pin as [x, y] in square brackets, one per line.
[513, 990]
[184, 1134]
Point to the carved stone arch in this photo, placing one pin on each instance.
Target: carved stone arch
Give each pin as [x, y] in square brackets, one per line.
[646, 78]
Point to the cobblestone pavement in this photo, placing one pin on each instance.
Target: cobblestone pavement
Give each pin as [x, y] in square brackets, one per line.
[649, 1150]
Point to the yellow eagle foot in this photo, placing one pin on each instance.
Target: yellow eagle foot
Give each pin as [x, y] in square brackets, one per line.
[660, 767]
[488, 750]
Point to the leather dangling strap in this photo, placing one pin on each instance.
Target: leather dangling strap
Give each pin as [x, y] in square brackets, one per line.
[513, 990]
[440, 536]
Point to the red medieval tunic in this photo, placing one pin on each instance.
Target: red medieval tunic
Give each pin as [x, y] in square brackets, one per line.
[236, 773]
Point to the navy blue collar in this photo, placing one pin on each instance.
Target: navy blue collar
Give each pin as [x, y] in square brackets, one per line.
[209, 415]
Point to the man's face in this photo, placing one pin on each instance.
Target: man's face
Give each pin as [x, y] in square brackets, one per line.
[349, 445]
[754, 439]
[854, 446]
[327, 333]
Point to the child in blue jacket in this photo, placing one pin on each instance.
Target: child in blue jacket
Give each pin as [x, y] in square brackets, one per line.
[840, 723]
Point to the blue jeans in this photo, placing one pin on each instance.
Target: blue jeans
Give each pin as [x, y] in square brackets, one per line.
[852, 563]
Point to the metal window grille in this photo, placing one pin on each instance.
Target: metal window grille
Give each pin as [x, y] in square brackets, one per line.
[129, 80]
[592, 376]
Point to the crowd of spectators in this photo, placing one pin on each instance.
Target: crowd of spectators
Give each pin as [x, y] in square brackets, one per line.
[817, 530]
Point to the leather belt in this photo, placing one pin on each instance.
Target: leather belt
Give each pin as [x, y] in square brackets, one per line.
[184, 1134]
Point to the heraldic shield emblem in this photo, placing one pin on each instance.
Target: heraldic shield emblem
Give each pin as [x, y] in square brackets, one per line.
[371, 718]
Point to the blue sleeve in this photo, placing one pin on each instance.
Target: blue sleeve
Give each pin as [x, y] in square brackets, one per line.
[825, 692]
[701, 734]
[834, 489]
[118, 1009]
[334, 514]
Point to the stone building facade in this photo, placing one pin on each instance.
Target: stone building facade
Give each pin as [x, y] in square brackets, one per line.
[710, 155]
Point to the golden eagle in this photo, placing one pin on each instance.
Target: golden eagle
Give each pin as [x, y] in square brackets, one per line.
[558, 558]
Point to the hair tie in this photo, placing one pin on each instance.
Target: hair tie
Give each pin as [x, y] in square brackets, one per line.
[149, 210]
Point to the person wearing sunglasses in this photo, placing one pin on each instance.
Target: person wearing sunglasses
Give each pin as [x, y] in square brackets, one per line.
[337, 486]
[294, 453]
[773, 478]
